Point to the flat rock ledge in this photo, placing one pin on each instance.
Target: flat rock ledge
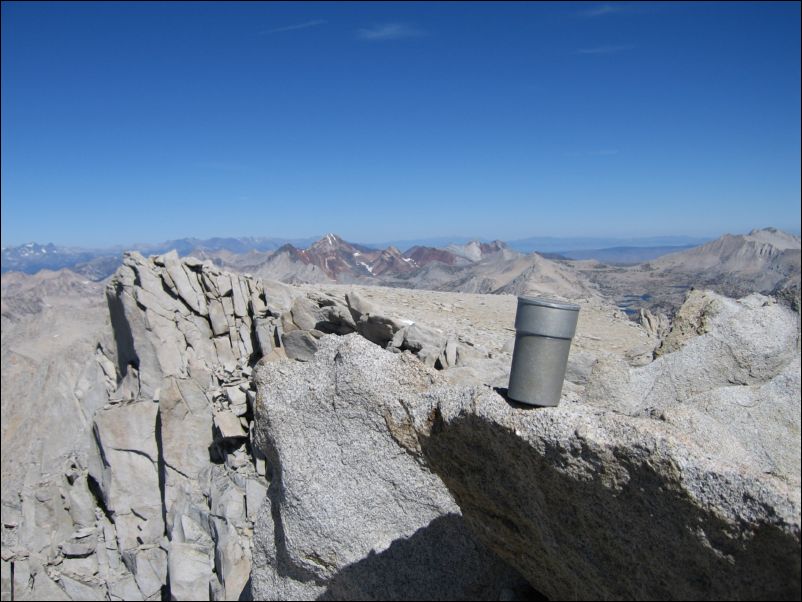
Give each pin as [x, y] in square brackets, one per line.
[590, 504]
[679, 479]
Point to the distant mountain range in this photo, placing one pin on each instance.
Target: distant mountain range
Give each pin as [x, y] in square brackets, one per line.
[97, 264]
[100, 263]
[553, 244]
[766, 261]
[656, 278]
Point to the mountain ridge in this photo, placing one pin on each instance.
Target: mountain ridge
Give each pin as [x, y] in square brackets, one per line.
[764, 260]
[99, 263]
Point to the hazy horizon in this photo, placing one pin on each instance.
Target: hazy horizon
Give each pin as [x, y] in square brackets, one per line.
[402, 237]
[561, 242]
[138, 123]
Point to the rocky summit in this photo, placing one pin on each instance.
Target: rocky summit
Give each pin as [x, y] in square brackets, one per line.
[206, 435]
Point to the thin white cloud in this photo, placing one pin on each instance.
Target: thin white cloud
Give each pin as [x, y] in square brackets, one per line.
[304, 25]
[601, 10]
[605, 49]
[389, 31]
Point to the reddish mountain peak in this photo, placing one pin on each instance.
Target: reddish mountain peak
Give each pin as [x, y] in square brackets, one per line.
[425, 255]
[343, 260]
[391, 260]
[334, 256]
[327, 242]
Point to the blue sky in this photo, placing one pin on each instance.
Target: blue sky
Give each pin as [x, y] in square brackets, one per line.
[143, 122]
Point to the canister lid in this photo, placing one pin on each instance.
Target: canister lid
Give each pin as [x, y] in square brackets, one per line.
[544, 302]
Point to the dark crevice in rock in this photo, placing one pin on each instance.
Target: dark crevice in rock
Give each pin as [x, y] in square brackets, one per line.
[99, 445]
[160, 466]
[162, 476]
[170, 292]
[97, 494]
[223, 446]
[138, 452]
[123, 337]
[256, 354]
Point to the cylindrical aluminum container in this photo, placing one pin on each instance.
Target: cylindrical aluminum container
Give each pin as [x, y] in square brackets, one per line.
[543, 332]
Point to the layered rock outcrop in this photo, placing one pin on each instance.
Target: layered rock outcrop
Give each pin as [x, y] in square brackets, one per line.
[164, 501]
[160, 494]
[174, 439]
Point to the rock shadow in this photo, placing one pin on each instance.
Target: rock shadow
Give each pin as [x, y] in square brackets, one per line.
[441, 561]
[503, 392]
[554, 512]
[247, 592]
[123, 337]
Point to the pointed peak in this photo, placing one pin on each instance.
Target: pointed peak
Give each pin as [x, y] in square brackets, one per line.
[285, 248]
[328, 240]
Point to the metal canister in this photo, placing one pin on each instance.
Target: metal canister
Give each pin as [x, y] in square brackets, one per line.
[544, 329]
